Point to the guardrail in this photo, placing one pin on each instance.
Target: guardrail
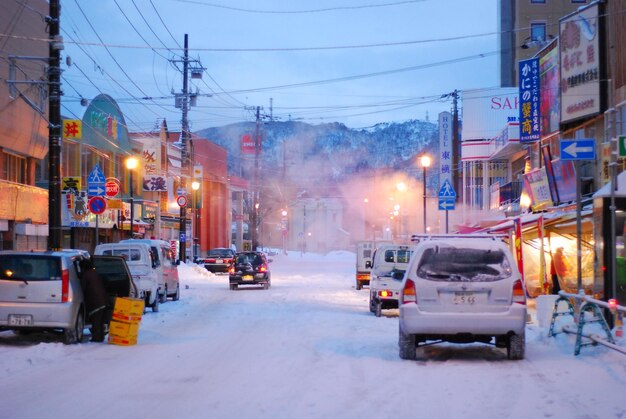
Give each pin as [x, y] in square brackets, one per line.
[592, 307]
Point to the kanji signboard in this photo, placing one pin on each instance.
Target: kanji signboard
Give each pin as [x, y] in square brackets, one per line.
[72, 128]
[529, 111]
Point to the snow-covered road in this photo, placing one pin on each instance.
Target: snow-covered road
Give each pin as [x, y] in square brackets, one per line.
[306, 348]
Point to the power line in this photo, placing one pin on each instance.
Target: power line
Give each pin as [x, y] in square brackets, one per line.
[321, 10]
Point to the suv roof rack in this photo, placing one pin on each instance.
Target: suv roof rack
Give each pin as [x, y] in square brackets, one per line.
[416, 238]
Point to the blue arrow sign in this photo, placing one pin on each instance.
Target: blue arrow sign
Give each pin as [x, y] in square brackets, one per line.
[446, 190]
[581, 149]
[96, 189]
[446, 204]
[96, 176]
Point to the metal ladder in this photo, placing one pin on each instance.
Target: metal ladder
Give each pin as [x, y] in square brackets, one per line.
[597, 317]
[555, 313]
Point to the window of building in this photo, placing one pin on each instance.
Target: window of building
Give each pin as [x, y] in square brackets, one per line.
[14, 169]
[538, 1]
[538, 31]
[579, 1]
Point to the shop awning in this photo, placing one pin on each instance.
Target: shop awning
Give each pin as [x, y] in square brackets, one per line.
[566, 224]
[605, 191]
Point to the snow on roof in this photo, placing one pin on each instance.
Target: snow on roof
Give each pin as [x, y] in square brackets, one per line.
[605, 191]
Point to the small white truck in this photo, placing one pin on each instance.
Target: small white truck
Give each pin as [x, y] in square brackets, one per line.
[388, 267]
[364, 253]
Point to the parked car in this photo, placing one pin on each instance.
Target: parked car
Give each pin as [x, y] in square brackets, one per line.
[165, 265]
[249, 268]
[40, 290]
[462, 290]
[364, 252]
[219, 259]
[389, 263]
[141, 264]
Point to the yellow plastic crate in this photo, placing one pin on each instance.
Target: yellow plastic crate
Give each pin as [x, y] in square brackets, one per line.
[123, 329]
[116, 340]
[128, 309]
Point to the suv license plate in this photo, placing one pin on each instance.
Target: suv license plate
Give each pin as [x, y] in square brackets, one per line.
[20, 320]
[463, 297]
[248, 277]
[219, 261]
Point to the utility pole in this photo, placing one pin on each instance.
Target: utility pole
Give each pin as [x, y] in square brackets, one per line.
[54, 128]
[255, 192]
[183, 101]
[184, 160]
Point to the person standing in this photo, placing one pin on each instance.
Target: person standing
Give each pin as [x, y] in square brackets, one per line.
[558, 269]
[96, 299]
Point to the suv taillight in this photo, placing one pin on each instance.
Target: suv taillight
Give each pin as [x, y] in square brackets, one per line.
[519, 296]
[262, 268]
[408, 292]
[231, 270]
[65, 286]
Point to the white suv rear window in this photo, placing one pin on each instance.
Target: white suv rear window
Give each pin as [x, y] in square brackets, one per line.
[450, 264]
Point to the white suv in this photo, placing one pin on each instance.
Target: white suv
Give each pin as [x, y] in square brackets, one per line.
[462, 290]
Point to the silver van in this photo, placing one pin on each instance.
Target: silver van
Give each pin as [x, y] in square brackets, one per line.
[165, 266]
[40, 290]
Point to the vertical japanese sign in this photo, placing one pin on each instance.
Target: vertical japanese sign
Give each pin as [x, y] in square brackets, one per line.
[153, 179]
[529, 111]
[517, 225]
[550, 105]
[445, 147]
[543, 278]
[580, 64]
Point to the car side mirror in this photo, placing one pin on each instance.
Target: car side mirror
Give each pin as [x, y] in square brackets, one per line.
[368, 264]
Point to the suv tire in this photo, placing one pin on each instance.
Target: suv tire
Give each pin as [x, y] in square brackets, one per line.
[407, 345]
[358, 285]
[176, 296]
[516, 346]
[75, 334]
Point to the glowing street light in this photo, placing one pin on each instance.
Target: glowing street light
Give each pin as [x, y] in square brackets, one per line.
[131, 164]
[425, 161]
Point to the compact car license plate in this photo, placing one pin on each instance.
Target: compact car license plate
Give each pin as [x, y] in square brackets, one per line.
[20, 320]
[464, 297]
[248, 277]
[219, 261]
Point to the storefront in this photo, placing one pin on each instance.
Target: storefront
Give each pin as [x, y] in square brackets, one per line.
[547, 237]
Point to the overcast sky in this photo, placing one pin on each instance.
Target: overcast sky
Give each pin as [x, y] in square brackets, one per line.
[359, 62]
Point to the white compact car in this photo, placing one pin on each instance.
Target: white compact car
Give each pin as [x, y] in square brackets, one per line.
[462, 290]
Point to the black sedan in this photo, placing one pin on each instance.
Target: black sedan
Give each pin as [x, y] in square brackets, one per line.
[219, 259]
[249, 268]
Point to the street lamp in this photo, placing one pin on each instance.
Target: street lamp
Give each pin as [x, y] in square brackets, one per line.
[131, 164]
[283, 221]
[425, 160]
[195, 185]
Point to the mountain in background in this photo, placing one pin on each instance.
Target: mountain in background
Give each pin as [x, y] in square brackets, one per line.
[302, 153]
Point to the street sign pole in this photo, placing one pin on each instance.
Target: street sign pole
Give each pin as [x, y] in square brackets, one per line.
[579, 229]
